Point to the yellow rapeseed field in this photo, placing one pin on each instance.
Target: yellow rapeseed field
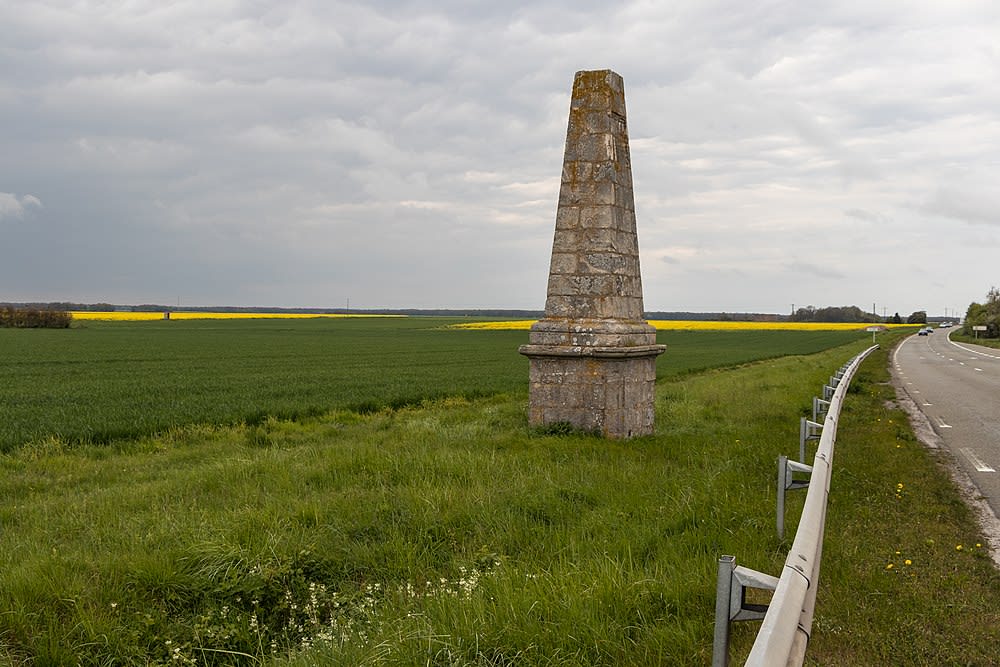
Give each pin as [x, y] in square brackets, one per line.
[148, 316]
[702, 325]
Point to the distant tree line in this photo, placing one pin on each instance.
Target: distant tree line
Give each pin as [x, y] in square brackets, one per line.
[916, 317]
[984, 314]
[161, 308]
[34, 318]
[806, 314]
[833, 314]
[852, 314]
[711, 317]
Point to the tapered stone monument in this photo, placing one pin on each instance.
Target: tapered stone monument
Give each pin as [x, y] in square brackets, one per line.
[593, 356]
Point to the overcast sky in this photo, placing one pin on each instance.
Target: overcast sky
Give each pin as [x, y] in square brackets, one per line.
[407, 154]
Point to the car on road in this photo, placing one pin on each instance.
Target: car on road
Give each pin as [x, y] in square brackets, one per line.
[923, 332]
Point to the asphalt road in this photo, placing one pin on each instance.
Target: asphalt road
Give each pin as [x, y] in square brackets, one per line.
[957, 387]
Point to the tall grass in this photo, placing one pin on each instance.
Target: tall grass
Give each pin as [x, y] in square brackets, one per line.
[449, 533]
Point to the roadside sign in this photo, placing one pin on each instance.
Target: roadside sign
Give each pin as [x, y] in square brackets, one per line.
[979, 327]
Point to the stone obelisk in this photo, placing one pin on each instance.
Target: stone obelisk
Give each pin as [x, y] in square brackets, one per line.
[593, 356]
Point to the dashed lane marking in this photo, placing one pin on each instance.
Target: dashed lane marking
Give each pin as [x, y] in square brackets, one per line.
[976, 461]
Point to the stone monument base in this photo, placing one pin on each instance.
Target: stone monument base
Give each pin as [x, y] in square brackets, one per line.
[605, 390]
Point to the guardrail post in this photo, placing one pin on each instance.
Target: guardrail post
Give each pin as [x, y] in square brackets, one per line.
[787, 482]
[808, 430]
[723, 591]
[820, 407]
[731, 605]
[828, 392]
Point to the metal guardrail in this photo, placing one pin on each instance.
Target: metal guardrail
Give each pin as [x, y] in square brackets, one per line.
[787, 620]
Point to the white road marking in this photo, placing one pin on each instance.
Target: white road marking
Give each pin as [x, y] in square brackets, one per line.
[980, 370]
[976, 461]
[927, 405]
[940, 421]
[967, 349]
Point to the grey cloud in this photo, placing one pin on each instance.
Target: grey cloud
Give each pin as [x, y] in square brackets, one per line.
[976, 206]
[864, 215]
[14, 206]
[818, 269]
[408, 155]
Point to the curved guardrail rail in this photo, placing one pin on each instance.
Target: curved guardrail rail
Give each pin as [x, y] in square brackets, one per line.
[785, 632]
[787, 620]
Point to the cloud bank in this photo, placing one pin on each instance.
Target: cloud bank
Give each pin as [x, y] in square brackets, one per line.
[407, 154]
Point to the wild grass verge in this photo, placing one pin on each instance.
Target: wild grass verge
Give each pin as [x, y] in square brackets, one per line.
[448, 533]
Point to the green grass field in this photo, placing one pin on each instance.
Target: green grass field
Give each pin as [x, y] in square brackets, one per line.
[102, 381]
[446, 532]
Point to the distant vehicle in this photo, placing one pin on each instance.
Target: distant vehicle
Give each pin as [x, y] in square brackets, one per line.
[944, 325]
[923, 332]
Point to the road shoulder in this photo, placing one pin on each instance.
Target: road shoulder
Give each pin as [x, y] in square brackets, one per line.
[924, 430]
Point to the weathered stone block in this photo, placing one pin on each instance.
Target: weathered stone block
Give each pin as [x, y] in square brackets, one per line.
[568, 218]
[603, 262]
[564, 263]
[603, 217]
[616, 398]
